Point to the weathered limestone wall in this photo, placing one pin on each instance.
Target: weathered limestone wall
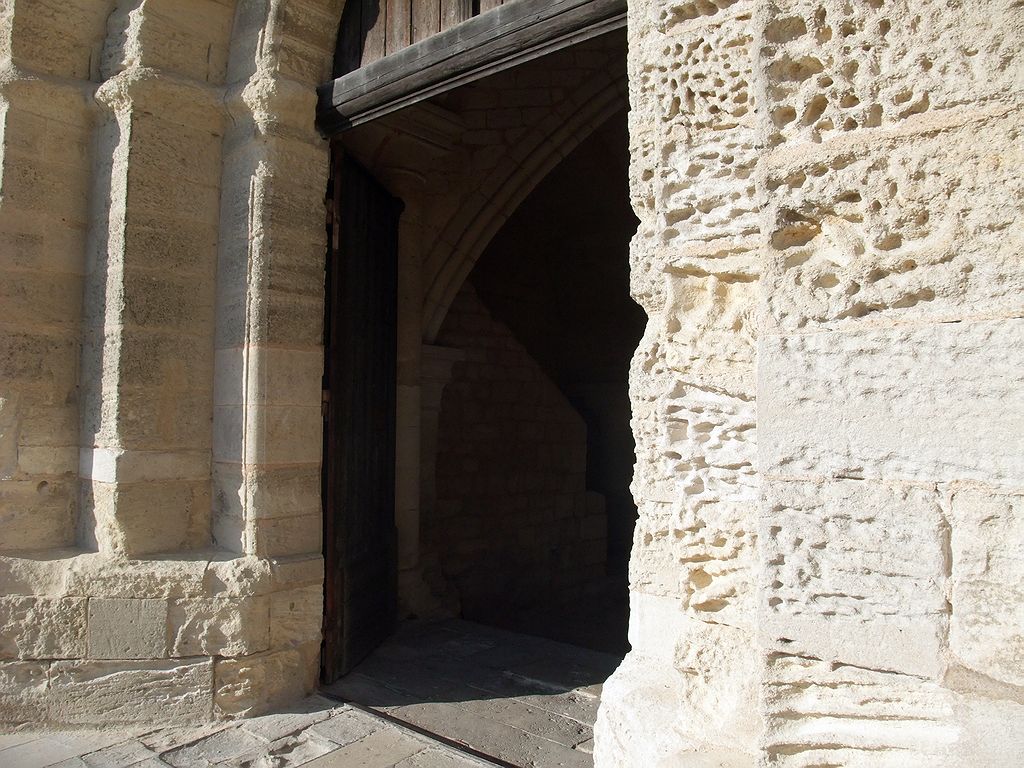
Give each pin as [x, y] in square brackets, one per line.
[827, 193]
[890, 398]
[828, 254]
[513, 524]
[152, 248]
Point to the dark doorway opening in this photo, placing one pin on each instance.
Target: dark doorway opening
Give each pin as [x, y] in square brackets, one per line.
[533, 521]
[514, 601]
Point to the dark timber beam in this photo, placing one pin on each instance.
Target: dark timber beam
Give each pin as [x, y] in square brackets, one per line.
[510, 34]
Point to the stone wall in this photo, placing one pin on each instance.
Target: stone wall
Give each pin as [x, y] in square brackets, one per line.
[827, 191]
[828, 255]
[160, 409]
[513, 525]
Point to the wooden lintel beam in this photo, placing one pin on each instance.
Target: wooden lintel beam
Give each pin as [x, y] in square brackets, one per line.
[510, 34]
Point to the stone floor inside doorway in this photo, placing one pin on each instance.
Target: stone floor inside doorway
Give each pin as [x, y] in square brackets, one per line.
[524, 700]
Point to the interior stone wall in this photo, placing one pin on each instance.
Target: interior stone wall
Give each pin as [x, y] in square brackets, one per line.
[828, 259]
[513, 525]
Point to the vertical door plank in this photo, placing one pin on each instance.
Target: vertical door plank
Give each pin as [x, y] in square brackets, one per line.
[375, 24]
[360, 546]
[399, 24]
[426, 19]
[454, 12]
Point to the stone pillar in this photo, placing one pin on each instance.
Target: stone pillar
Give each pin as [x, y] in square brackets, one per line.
[146, 620]
[46, 154]
[408, 186]
[147, 356]
[686, 694]
[268, 428]
[436, 373]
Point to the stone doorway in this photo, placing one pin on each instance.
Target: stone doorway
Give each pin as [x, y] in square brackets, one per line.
[514, 332]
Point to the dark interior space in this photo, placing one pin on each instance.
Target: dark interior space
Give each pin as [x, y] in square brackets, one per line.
[534, 518]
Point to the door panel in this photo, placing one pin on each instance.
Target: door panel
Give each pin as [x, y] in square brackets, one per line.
[360, 539]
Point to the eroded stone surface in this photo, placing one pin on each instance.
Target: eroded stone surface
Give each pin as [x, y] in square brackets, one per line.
[919, 402]
[826, 401]
[42, 628]
[855, 572]
[131, 691]
[987, 622]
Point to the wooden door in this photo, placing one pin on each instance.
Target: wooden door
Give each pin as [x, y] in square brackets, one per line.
[360, 539]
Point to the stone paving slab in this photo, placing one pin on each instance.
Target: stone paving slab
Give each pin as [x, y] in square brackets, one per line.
[527, 700]
[316, 732]
[523, 699]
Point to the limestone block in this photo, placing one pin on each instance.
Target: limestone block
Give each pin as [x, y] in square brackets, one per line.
[915, 402]
[281, 537]
[43, 574]
[35, 186]
[708, 442]
[906, 227]
[250, 685]
[286, 215]
[636, 721]
[700, 199]
[156, 360]
[50, 299]
[147, 691]
[33, 357]
[817, 712]
[120, 466]
[832, 67]
[42, 628]
[986, 630]
[134, 519]
[991, 731]
[296, 616]
[219, 626]
[294, 319]
[42, 460]
[228, 527]
[854, 572]
[238, 577]
[56, 37]
[288, 434]
[168, 302]
[190, 201]
[268, 375]
[153, 419]
[23, 688]
[163, 240]
[97, 575]
[709, 319]
[143, 93]
[36, 514]
[127, 629]
[297, 571]
[47, 122]
[189, 38]
[683, 697]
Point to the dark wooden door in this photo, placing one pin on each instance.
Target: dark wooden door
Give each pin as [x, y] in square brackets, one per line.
[360, 540]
